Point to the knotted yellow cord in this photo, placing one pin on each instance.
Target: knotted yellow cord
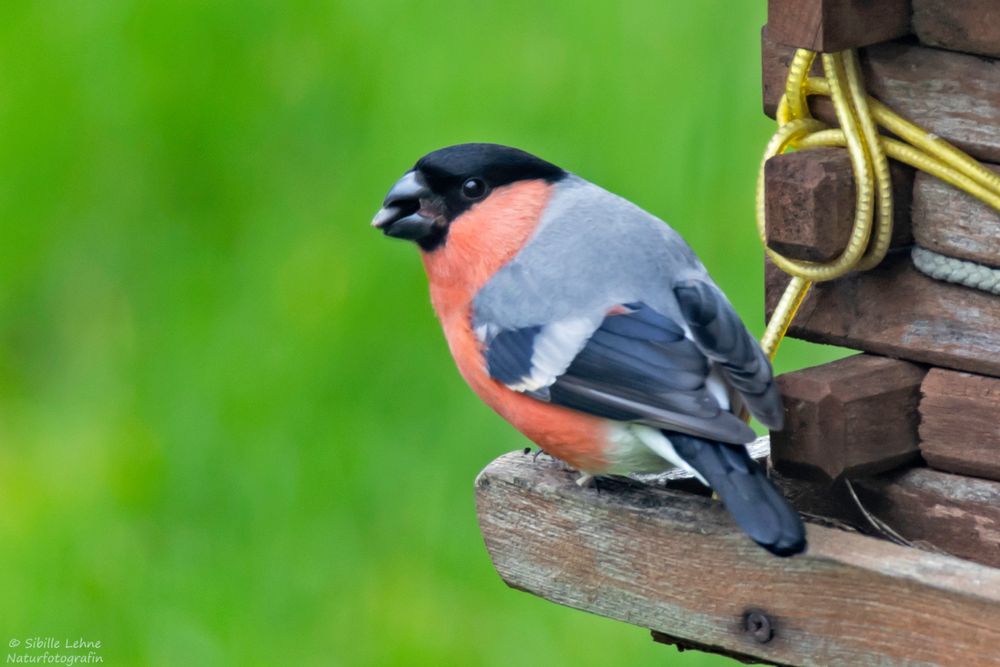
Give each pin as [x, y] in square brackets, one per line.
[859, 117]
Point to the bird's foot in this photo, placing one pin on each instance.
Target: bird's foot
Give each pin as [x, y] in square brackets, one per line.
[586, 481]
[534, 456]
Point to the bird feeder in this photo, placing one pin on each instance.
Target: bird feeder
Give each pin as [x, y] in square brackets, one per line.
[892, 455]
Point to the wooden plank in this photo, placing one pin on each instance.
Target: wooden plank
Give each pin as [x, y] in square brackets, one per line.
[951, 513]
[677, 564]
[960, 423]
[961, 25]
[956, 224]
[811, 202]
[931, 509]
[896, 311]
[835, 25]
[954, 95]
[850, 417]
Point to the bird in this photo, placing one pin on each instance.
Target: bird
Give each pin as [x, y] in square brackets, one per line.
[591, 326]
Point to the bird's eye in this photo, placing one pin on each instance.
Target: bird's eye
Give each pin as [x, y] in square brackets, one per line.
[474, 188]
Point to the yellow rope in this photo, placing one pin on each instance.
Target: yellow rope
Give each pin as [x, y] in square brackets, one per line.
[859, 117]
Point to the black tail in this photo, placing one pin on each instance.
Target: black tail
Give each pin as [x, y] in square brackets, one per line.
[755, 503]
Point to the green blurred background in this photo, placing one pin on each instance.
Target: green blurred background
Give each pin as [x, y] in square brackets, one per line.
[230, 430]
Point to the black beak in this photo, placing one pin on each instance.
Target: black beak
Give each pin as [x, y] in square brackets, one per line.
[401, 214]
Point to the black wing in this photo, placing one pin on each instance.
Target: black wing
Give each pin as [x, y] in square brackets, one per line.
[720, 334]
[637, 365]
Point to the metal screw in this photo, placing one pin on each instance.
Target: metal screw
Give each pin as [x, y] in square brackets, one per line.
[758, 625]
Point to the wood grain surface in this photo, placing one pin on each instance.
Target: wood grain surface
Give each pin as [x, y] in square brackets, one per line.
[835, 25]
[953, 223]
[854, 416]
[676, 563]
[954, 95]
[961, 25]
[929, 508]
[960, 423]
[811, 203]
[952, 513]
[896, 311]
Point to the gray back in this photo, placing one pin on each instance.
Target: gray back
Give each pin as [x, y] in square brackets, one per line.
[591, 251]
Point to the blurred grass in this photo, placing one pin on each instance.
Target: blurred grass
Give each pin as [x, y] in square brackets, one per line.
[230, 431]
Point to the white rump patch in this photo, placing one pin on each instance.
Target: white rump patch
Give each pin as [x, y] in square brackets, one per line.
[555, 347]
[661, 444]
[643, 449]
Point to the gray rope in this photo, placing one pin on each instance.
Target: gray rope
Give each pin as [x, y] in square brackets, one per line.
[953, 270]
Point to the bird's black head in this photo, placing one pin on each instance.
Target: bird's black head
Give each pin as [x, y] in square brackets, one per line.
[446, 183]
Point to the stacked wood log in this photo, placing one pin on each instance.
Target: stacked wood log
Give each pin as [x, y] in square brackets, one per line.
[904, 439]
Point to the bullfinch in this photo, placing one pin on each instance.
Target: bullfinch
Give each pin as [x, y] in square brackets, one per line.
[591, 326]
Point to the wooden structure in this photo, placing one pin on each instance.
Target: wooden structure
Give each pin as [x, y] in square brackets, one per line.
[674, 562]
[892, 455]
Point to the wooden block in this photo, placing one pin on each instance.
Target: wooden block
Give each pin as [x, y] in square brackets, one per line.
[897, 311]
[835, 25]
[956, 224]
[854, 416]
[960, 423]
[954, 95]
[775, 59]
[961, 25]
[928, 508]
[676, 563]
[811, 201]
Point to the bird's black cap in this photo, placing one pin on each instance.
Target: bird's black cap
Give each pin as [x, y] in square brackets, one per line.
[498, 165]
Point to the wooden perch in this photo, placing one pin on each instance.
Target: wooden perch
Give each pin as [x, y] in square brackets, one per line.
[811, 200]
[897, 311]
[953, 95]
[677, 564]
[836, 418]
[961, 25]
[960, 424]
[951, 222]
[835, 25]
